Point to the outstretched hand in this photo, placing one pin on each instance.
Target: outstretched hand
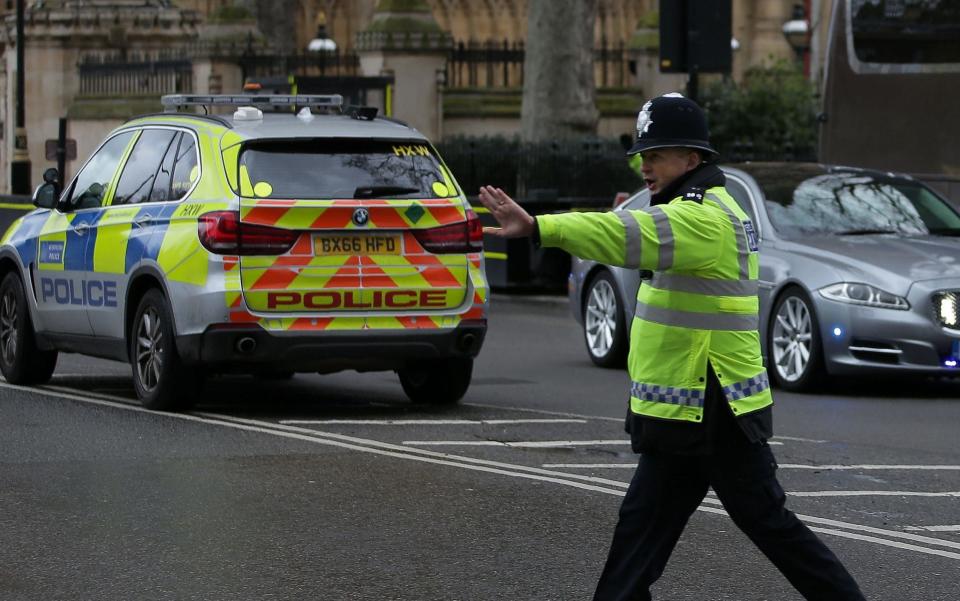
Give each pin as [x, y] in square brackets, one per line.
[514, 221]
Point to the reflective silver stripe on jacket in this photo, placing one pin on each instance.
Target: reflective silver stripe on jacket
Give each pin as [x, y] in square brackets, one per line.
[664, 235]
[667, 394]
[698, 321]
[748, 387]
[632, 227]
[676, 282]
[743, 252]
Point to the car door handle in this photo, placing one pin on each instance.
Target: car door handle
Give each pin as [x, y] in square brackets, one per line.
[142, 220]
[81, 228]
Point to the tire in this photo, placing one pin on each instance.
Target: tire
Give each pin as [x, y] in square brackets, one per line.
[20, 360]
[162, 381]
[442, 382]
[794, 345]
[604, 322]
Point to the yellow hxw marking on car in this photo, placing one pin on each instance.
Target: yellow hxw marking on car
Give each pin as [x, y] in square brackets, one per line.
[410, 151]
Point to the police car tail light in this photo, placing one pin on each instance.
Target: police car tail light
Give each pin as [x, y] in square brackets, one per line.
[223, 233]
[464, 237]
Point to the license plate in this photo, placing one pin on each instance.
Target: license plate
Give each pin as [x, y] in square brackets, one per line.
[357, 244]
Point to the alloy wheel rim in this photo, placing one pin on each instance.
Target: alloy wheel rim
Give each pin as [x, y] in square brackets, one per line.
[792, 339]
[601, 318]
[149, 349]
[8, 327]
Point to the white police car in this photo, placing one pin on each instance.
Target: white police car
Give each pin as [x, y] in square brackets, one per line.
[310, 239]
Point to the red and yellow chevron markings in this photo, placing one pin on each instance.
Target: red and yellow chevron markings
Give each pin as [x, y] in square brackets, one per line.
[338, 214]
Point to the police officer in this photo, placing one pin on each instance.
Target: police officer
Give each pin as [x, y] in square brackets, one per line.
[700, 402]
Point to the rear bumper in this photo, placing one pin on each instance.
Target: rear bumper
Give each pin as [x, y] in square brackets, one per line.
[252, 347]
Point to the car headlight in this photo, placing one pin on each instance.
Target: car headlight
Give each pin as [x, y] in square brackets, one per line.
[946, 306]
[863, 294]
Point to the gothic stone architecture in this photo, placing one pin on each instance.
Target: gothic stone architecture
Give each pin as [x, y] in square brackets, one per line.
[98, 62]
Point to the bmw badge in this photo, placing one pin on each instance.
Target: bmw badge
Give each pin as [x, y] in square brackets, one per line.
[361, 216]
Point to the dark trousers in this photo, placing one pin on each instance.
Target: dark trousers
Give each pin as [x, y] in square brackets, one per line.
[667, 489]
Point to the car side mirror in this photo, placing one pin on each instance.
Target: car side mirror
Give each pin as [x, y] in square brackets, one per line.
[46, 195]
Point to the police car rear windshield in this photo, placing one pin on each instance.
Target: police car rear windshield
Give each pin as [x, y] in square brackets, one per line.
[335, 168]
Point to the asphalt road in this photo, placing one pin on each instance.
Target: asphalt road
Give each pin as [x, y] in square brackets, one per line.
[334, 487]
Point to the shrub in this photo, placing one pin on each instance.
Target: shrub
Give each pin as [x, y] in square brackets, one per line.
[771, 115]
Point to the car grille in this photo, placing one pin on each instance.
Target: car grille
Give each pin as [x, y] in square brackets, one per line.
[946, 306]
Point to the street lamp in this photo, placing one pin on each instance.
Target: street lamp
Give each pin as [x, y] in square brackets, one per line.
[797, 32]
[322, 43]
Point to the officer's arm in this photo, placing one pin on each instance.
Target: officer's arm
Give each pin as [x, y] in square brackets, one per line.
[679, 236]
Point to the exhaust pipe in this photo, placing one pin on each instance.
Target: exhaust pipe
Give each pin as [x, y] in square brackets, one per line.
[467, 342]
[246, 345]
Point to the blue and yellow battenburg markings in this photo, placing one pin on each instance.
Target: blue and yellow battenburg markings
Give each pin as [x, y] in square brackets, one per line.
[24, 237]
[101, 249]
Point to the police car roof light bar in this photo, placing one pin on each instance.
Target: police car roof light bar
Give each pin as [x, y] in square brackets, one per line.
[171, 102]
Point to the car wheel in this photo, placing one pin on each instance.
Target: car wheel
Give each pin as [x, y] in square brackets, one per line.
[794, 343]
[441, 382]
[604, 324]
[20, 360]
[160, 378]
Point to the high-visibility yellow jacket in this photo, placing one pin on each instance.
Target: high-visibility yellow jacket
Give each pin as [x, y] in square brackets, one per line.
[700, 306]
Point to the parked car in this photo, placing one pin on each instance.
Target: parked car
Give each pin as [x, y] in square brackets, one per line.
[859, 274]
[257, 242]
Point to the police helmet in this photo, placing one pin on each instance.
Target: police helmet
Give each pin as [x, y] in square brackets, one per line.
[671, 120]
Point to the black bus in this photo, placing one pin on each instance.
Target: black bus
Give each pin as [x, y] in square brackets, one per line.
[891, 91]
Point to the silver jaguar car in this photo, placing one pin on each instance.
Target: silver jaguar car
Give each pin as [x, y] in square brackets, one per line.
[859, 273]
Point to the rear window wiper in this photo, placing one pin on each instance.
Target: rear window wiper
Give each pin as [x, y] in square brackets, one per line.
[378, 191]
[864, 232]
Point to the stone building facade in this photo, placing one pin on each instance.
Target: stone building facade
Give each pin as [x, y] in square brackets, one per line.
[65, 38]
[756, 23]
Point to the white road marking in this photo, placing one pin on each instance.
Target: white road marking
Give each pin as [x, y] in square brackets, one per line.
[855, 536]
[544, 412]
[413, 454]
[536, 444]
[614, 419]
[954, 528]
[590, 466]
[428, 422]
[533, 444]
[919, 538]
[873, 493]
[789, 466]
[801, 466]
[798, 439]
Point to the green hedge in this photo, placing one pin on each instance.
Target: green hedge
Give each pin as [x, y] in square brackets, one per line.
[771, 115]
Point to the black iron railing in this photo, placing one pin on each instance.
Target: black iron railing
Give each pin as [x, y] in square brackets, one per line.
[100, 78]
[499, 64]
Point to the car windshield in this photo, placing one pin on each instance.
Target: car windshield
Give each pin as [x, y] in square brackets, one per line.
[332, 168]
[850, 204]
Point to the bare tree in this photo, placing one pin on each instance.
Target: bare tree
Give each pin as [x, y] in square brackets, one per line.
[277, 19]
[559, 93]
